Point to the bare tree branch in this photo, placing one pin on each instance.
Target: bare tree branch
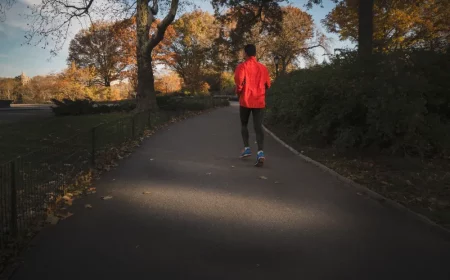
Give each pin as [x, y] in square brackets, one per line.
[5, 5]
[162, 26]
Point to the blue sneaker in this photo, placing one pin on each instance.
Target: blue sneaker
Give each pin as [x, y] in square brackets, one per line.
[260, 158]
[246, 152]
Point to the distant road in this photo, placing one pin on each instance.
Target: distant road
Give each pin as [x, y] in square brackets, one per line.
[24, 112]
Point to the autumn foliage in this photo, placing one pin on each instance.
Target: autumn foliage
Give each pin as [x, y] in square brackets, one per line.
[201, 49]
[168, 83]
[398, 25]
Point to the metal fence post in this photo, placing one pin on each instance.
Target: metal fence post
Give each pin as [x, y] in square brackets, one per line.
[93, 146]
[14, 225]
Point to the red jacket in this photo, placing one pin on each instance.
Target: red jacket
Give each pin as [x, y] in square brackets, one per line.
[252, 79]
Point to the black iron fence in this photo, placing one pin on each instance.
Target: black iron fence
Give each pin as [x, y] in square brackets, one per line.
[32, 182]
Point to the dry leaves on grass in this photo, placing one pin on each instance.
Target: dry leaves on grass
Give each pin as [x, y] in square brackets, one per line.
[52, 219]
[91, 190]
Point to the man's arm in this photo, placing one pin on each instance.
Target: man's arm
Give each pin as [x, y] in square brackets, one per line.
[268, 82]
[239, 78]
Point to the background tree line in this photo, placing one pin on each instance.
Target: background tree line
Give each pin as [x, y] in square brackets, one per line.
[203, 49]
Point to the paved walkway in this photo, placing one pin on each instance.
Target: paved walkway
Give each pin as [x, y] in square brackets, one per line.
[205, 219]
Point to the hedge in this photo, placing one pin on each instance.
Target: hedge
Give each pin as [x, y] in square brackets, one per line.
[396, 103]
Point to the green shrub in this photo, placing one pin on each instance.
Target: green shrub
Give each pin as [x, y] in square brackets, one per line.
[165, 102]
[76, 107]
[397, 103]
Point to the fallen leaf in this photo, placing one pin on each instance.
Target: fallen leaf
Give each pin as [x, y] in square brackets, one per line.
[233, 166]
[88, 206]
[209, 173]
[91, 191]
[146, 193]
[263, 177]
[67, 216]
[151, 159]
[276, 182]
[107, 197]
[52, 219]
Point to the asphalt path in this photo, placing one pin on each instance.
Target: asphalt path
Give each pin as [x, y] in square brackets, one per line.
[185, 207]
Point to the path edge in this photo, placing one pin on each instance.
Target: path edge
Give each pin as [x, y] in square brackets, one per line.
[364, 190]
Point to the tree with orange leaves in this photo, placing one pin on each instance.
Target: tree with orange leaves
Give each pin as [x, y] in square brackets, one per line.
[96, 47]
[110, 48]
[168, 83]
[192, 48]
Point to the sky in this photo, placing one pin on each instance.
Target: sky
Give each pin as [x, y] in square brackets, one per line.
[17, 57]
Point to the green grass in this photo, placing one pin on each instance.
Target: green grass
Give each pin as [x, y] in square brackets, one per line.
[20, 138]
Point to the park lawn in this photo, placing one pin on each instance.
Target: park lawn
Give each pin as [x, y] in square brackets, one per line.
[421, 185]
[21, 138]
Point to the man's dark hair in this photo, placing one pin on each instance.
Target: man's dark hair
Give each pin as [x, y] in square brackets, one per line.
[250, 50]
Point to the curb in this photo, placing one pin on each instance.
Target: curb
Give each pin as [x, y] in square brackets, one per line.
[366, 191]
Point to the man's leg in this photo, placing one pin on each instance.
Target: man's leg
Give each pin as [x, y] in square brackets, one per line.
[245, 115]
[258, 116]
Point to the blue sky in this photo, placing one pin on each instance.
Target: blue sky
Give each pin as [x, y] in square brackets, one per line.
[33, 60]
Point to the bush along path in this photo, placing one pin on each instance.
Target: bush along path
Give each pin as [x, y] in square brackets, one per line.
[184, 206]
[385, 128]
[56, 204]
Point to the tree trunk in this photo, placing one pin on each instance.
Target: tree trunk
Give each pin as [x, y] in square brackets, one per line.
[283, 66]
[146, 98]
[146, 85]
[365, 32]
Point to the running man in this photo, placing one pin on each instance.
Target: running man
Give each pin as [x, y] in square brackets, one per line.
[252, 80]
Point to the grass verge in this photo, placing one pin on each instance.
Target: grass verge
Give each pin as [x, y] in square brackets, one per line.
[421, 185]
[24, 137]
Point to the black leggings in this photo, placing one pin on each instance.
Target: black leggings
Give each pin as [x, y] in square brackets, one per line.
[258, 115]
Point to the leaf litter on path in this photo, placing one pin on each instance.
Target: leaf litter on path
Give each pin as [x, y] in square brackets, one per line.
[52, 219]
[108, 197]
[91, 191]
